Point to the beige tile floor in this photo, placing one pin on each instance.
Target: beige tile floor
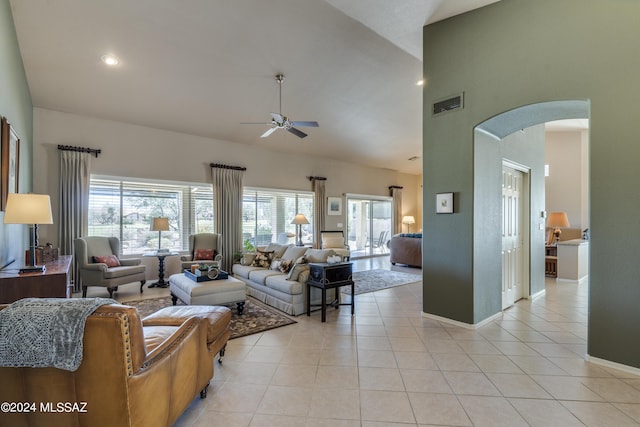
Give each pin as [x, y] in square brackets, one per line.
[389, 366]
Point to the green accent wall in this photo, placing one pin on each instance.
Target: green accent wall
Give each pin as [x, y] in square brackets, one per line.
[516, 53]
[16, 106]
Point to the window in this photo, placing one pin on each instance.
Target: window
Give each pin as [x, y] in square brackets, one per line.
[124, 209]
[267, 216]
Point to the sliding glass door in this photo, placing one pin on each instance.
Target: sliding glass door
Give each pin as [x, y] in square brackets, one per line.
[369, 225]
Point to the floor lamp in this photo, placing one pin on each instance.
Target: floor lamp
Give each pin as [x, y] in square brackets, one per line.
[32, 209]
[298, 220]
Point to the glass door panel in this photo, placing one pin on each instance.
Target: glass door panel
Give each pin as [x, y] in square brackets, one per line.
[368, 226]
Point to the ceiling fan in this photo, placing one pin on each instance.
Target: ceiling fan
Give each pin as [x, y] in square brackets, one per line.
[279, 121]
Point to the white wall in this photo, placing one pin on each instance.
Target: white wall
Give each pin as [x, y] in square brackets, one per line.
[566, 153]
[142, 152]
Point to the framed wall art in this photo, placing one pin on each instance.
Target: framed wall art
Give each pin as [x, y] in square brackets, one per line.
[444, 203]
[9, 161]
[334, 205]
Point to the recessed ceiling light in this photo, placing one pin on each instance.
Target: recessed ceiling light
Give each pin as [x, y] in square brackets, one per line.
[420, 83]
[110, 60]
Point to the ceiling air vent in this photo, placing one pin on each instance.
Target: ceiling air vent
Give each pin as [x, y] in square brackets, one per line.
[449, 104]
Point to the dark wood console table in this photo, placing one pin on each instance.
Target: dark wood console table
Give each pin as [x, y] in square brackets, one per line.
[330, 276]
[54, 282]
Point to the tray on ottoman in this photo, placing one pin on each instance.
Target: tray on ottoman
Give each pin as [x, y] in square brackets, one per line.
[204, 278]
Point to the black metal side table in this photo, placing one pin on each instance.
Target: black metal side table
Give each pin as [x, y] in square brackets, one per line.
[330, 276]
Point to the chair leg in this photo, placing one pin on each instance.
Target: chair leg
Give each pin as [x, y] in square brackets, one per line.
[221, 353]
[84, 291]
[142, 282]
[203, 392]
[110, 292]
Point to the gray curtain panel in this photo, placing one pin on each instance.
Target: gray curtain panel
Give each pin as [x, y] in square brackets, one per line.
[319, 207]
[227, 205]
[396, 194]
[73, 221]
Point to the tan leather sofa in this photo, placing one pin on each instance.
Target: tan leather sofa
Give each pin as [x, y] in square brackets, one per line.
[133, 373]
[406, 249]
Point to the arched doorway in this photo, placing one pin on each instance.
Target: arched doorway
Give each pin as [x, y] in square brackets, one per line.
[515, 136]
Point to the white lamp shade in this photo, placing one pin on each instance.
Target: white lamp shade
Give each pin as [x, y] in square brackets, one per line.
[408, 219]
[300, 219]
[160, 224]
[28, 209]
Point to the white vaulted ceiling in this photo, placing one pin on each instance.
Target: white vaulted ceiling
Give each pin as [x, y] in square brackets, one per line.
[204, 66]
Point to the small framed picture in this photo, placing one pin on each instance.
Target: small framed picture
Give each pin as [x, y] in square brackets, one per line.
[444, 203]
[334, 205]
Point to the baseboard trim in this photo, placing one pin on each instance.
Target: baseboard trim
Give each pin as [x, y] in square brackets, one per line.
[537, 294]
[462, 324]
[614, 365]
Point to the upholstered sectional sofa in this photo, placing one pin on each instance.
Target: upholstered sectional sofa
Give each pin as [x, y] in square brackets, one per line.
[406, 249]
[279, 278]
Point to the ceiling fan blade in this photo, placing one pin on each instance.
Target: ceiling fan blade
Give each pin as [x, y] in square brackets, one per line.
[256, 123]
[269, 132]
[277, 117]
[296, 132]
[307, 124]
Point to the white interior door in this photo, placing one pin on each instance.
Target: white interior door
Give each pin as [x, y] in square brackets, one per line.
[512, 236]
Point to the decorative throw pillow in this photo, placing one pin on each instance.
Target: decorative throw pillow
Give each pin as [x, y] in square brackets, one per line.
[204, 254]
[110, 260]
[275, 264]
[247, 259]
[262, 259]
[285, 265]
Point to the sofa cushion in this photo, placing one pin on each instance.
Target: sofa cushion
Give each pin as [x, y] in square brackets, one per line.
[318, 255]
[333, 242]
[295, 271]
[243, 270]
[259, 276]
[114, 272]
[247, 259]
[277, 249]
[294, 252]
[280, 283]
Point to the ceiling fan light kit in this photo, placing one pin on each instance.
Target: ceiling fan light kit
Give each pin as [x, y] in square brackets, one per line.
[280, 121]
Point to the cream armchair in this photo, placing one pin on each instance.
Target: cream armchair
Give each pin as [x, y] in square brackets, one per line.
[199, 244]
[335, 240]
[110, 273]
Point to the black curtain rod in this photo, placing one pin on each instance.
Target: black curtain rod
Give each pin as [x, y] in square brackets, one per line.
[93, 151]
[395, 186]
[219, 166]
[317, 178]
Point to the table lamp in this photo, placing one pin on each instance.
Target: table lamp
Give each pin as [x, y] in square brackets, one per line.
[32, 209]
[408, 219]
[160, 224]
[298, 220]
[555, 221]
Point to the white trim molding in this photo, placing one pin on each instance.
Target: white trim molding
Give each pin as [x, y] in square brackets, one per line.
[462, 324]
[614, 365]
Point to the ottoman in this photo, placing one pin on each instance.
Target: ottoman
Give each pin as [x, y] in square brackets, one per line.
[216, 321]
[212, 292]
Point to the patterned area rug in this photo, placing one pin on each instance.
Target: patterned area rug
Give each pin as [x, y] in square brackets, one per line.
[255, 318]
[374, 280]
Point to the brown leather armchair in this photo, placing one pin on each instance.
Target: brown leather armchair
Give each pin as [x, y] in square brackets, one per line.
[133, 373]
